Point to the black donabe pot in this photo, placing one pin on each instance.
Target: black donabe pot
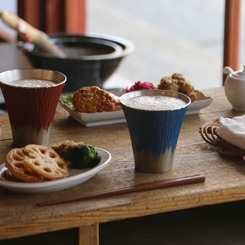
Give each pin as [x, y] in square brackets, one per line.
[90, 58]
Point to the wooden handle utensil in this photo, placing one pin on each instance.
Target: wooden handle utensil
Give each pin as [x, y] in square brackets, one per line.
[30, 34]
[186, 180]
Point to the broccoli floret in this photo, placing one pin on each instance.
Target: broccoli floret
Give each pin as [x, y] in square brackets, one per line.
[83, 156]
[79, 155]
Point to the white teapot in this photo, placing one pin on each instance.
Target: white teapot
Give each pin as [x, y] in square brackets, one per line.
[235, 88]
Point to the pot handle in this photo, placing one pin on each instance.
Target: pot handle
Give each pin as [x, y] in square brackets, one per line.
[30, 34]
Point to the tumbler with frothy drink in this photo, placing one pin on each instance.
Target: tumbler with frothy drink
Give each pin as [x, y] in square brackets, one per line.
[154, 119]
[31, 97]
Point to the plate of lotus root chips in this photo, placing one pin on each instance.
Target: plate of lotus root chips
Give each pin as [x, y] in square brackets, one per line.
[39, 169]
[92, 106]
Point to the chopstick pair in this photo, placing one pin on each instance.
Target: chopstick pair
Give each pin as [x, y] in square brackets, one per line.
[185, 180]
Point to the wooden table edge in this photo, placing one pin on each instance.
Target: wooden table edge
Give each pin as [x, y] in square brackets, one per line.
[90, 220]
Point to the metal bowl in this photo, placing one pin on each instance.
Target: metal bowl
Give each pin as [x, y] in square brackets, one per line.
[90, 59]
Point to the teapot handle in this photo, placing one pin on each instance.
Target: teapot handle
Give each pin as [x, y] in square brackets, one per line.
[227, 70]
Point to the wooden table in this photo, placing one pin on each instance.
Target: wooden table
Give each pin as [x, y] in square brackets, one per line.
[225, 182]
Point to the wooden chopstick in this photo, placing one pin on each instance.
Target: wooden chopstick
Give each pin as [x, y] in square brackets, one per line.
[185, 180]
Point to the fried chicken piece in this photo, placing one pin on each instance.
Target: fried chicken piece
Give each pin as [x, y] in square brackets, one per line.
[178, 82]
[185, 87]
[92, 99]
[167, 83]
[178, 76]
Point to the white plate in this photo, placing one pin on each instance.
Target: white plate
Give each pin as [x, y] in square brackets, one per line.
[104, 118]
[78, 177]
[96, 119]
[201, 102]
[196, 106]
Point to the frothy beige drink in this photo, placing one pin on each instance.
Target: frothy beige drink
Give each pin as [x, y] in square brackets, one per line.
[155, 103]
[31, 97]
[154, 119]
[32, 83]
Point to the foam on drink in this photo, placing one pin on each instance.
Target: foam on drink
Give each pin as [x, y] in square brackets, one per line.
[155, 103]
[32, 83]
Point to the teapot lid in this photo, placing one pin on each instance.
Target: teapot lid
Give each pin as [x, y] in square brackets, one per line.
[238, 75]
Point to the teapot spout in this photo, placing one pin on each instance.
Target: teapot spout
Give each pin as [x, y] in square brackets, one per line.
[227, 70]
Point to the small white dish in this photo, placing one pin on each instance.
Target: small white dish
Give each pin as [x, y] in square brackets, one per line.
[196, 106]
[77, 177]
[95, 119]
[201, 102]
[105, 118]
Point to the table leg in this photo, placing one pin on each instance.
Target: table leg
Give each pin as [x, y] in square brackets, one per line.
[89, 234]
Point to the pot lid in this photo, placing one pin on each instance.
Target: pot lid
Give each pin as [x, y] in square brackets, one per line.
[238, 75]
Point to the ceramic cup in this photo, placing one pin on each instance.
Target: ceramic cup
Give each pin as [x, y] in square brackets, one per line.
[31, 97]
[154, 127]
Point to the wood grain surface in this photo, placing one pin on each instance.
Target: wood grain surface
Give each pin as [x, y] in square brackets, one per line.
[225, 182]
